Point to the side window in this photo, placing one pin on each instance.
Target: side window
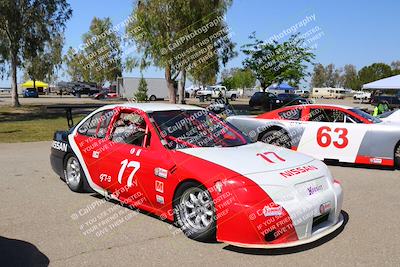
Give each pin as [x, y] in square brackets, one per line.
[89, 128]
[104, 123]
[97, 125]
[321, 115]
[130, 128]
[328, 115]
[351, 119]
[290, 114]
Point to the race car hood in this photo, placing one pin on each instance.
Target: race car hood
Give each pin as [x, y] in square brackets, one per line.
[252, 158]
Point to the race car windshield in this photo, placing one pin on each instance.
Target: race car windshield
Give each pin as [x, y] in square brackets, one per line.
[386, 114]
[195, 128]
[365, 115]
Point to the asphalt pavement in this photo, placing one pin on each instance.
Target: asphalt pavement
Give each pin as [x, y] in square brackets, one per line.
[43, 222]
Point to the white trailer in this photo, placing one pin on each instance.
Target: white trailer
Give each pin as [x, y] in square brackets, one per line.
[328, 92]
[156, 87]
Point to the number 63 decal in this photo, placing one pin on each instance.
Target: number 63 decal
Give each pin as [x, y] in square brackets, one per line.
[128, 164]
[324, 138]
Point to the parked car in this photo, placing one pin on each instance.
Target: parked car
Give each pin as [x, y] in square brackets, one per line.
[217, 91]
[292, 99]
[84, 89]
[327, 132]
[105, 94]
[393, 101]
[188, 166]
[302, 93]
[265, 100]
[30, 92]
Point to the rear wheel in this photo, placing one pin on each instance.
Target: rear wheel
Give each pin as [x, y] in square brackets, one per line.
[194, 212]
[208, 97]
[73, 174]
[277, 138]
[153, 98]
[233, 97]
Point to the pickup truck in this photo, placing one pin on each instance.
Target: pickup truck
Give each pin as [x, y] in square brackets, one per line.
[362, 96]
[214, 92]
[393, 101]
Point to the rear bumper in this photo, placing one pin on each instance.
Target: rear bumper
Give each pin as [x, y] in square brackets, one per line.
[57, 162]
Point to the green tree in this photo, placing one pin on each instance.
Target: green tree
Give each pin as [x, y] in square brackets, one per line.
[327, 76]
[166, 31]
[75, 69]
[204, 75]
[276, 62]
[46, 62]
[374, 72]
[141, 94]
[395, 67]
[239, 78]
[25, 28]
[318, 77]
[100, 58]
[350, 77]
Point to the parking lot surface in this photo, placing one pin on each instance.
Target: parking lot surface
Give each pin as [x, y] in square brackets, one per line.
[47, 223]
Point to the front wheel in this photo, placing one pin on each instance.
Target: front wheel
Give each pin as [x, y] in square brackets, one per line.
[194, 212]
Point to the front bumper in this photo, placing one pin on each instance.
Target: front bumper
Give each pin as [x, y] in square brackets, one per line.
[303, 220]
[326, 231]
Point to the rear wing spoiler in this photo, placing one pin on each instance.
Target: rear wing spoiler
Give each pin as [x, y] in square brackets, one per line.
[68, 110]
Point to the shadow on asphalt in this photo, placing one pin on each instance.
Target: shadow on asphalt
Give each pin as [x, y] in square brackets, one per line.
[291, 250]
[15, 252]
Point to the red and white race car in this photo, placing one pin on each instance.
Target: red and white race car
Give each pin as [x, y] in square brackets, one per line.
[187, 165]
[327, 132]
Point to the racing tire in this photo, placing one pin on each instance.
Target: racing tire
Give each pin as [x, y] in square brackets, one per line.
[397, 157]
[152, 98]
[233, 97]
[208, 97]
[276, 138]
[73, 174]
[194, 212]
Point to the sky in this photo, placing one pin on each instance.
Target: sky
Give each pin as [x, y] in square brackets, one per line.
[349, 32]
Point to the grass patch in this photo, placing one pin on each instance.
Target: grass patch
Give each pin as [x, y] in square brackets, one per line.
[31, 124]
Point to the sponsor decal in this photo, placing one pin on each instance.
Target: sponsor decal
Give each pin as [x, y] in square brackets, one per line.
[375, 161]
[105, 178]
[160, 199]
[135, 152]
[298, 170]
[314, 189]
[325, 207]
[272, 211]
[160, 172]
[59, 146]
[95, 154]
[159, 186]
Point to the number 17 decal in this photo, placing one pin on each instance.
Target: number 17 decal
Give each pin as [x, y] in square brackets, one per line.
[268, 155]
[128, 164]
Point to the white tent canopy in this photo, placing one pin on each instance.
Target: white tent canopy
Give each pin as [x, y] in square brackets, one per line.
[386, 83]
